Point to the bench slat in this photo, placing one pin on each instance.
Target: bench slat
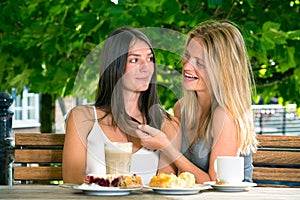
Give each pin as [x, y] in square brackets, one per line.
[38, 156]
[39, 139]
[37, 173]
[279, 141]
[276, 174]
[276, 157]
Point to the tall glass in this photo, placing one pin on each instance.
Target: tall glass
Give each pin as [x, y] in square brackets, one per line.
[118, 157]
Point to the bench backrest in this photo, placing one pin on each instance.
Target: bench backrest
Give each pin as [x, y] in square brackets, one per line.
[277, 161]
[38, 157]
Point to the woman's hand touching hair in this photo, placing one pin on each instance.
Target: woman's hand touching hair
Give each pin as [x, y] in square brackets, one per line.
[152, 138]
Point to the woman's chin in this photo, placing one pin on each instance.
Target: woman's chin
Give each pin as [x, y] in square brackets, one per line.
[142, 88]
[188, 87]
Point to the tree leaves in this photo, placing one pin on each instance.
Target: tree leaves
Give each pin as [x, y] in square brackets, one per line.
[44, 43]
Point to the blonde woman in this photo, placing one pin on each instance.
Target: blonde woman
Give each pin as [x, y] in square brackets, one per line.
[215, 111]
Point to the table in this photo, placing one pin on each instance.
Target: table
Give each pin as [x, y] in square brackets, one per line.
[65, 192]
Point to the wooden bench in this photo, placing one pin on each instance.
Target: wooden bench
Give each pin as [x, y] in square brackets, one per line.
[38, 158]
[277, 161]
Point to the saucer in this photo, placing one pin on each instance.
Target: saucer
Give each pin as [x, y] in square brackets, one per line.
[238, 187]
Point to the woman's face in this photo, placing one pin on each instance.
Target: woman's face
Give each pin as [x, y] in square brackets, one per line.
[139, 67]
[194, 69]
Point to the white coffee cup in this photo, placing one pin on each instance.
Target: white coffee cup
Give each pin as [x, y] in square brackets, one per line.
[229, 169]
[118, 157]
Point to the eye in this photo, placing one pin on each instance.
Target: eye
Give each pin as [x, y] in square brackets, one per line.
[199, 64]
[150, 59]
[186, 56]
[133, 60]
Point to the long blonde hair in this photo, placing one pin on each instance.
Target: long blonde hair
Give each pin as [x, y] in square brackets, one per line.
[230, 77]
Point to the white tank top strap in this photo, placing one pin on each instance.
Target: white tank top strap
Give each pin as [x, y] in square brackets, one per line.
[95, 113]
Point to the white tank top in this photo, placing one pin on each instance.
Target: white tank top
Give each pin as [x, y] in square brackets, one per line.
[144, 162]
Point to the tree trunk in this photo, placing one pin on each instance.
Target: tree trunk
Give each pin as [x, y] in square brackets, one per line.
[47, 113]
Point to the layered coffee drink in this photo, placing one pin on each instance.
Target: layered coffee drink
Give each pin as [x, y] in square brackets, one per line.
[118, 157]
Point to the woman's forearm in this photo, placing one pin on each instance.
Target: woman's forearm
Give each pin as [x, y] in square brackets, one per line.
[155, 139]
[184, 165]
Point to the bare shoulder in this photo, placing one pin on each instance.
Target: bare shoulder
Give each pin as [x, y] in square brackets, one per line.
[85, 111]
[223, 122]
[221, 114]
[177, 109]
[80, 119]
[174, 121]
[171, 126]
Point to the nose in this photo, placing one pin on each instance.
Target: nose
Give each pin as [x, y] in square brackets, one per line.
[187, 64]
[144, 65]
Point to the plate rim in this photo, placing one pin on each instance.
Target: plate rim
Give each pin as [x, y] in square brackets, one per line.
[197, 187]
[106, 193]
[106, 189]
[242, 185]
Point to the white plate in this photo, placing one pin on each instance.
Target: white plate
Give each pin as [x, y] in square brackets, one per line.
[193, 190]
[104, 191]
[234, 188]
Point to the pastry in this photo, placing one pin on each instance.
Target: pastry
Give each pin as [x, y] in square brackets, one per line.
[183, 180]
[186, 180]
[121, 181]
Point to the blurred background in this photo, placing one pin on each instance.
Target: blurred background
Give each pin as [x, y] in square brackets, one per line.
[44, 46]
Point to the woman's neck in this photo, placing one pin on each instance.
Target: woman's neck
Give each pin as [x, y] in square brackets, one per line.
[131, 105]
[204, 101]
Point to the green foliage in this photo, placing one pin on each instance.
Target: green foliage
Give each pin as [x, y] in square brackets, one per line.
[43, 44]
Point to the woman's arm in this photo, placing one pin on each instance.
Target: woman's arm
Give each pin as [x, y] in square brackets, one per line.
[225, 143]
[74, 153]
[225, 138]
[155, 139]
[171, 129]
[177, 109]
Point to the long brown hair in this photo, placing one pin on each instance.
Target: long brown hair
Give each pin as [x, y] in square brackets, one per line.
[109, 97]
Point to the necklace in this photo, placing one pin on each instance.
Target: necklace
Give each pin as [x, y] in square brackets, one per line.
[135, 120]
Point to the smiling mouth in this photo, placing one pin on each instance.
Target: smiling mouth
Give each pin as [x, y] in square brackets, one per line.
[189, 76]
